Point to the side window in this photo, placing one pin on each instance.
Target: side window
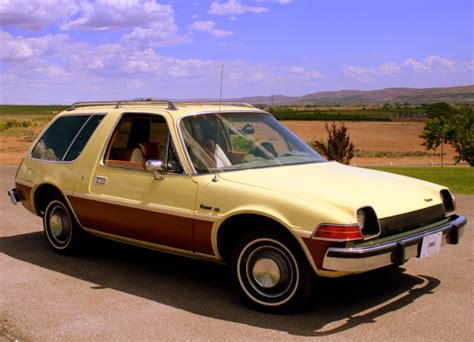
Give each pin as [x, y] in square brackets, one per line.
[137, 139]
[83, 137]
[56, 140]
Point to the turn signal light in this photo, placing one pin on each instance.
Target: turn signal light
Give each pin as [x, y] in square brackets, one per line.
[338, 232]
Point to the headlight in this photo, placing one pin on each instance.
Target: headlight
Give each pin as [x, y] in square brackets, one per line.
[448, 202]
[368, 222]
[361, 218]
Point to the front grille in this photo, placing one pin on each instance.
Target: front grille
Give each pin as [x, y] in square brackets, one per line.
[411, 220]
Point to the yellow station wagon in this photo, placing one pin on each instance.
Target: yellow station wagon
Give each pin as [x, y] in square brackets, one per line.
[226, 182]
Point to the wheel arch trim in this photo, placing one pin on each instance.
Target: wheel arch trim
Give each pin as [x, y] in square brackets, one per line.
[64, 194]
[297, 233]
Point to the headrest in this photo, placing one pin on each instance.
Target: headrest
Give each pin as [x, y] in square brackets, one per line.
[150, 150]
[209, 145]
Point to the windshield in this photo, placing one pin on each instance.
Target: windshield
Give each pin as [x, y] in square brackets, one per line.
[234, 141]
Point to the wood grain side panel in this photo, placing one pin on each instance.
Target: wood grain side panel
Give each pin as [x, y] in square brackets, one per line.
[25, 195]
[139, 224]
[203, 237]
[318, 248]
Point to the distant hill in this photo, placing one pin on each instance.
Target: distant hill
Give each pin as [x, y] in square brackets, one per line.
[392, 95]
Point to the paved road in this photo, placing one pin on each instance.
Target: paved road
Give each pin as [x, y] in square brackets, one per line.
[116, 292]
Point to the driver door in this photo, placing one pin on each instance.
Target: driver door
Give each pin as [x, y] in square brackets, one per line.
[128, 202]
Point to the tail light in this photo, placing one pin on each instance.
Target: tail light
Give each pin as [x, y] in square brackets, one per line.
[336, 232]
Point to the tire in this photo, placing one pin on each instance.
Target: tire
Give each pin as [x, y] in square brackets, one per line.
[272, 272]
[63, 233]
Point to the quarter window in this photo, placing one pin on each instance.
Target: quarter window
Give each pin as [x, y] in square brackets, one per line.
[83, 137]
[66, 138]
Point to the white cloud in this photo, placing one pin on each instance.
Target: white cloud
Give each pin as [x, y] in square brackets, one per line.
[413, 65]
[35, 15]
[54, 71]
[281, 2]
[302, 73]
[431, 64]
[152, 24]
[234, 7]
[440, 63]
[16, 49]
[210, 27]
[157, 34]
[106, 15]
[149, 62]
[359, 73]
[113, 15]
[119, 70]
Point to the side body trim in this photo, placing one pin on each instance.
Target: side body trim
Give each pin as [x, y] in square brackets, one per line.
[147, 226]
[154, 246]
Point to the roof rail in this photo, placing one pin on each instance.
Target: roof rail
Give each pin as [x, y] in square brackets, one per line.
[118, 104]
[224, 103]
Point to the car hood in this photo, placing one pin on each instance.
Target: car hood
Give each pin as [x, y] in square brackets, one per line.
[342, 187]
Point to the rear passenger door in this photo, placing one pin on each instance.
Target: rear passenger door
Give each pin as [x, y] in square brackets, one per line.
[127, 201]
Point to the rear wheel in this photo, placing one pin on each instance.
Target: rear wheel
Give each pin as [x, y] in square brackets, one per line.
[271, 272]
[61, 229]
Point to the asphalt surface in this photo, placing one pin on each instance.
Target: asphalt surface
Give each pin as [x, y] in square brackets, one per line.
[116, 292]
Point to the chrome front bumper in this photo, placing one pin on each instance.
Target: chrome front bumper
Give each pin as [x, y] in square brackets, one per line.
[395, 252]
[14, 196]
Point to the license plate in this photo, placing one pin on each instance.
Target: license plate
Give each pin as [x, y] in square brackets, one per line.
[431, 244]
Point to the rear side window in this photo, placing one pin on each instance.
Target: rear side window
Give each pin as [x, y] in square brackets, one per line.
[66, 137]
[83, 137]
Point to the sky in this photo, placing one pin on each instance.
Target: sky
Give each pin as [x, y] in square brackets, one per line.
[62, 51]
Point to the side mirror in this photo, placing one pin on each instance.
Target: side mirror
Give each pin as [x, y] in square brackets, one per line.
[156, 166]
[248, 129]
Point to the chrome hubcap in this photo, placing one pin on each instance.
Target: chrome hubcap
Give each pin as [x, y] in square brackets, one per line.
[266, 273]
[56, 225]
[269, 271]
[60, 226]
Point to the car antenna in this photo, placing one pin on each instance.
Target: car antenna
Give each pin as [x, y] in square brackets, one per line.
[222, 81]
[215, 179]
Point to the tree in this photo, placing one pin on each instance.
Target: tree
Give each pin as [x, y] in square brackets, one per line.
[437, 130]
[450, 125]
[462, 138]
[338, 146]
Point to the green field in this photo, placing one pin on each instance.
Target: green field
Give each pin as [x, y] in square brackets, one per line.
[29, 111]
[460, 180]
[347, 114]
[281, 113]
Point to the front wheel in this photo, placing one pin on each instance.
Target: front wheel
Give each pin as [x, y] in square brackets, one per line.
[61, 229]
[271, 272]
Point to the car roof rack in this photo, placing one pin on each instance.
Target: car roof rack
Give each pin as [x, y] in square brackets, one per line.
[118, 104]
[146, 101]
[223, 103]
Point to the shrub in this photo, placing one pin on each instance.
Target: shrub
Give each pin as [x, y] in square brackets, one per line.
[338, 147]
[14, 123]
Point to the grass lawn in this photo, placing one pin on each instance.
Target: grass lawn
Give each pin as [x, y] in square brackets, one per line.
[460, 180]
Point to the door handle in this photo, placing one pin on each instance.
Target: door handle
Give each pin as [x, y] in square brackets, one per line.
[100, 180]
